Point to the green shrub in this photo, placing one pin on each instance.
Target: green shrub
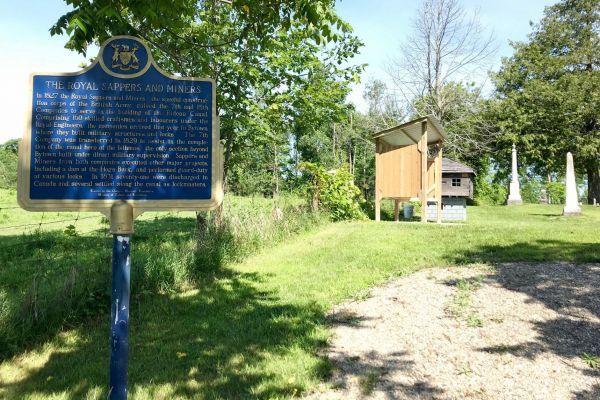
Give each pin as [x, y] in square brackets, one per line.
[416, 205]
[490, 193]
[8, 168]
[556, 192]
[531, 191]
[334, 190]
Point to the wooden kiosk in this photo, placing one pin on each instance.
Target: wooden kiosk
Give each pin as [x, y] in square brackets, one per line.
[408, 165]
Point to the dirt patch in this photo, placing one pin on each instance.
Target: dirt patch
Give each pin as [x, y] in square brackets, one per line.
[516, 331]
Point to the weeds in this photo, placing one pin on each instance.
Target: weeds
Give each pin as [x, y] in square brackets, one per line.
[503, 349]
[245, 231]
[369, 380]
[462, 299]
[591, 360]
[473, 321]
[362, 295]
[465, 370]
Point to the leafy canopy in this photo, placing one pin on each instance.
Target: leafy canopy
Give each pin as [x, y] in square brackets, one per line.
[280, 65]
[92, 21]
[550, 89]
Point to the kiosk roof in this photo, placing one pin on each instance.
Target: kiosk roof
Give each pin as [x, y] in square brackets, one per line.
[409, 133]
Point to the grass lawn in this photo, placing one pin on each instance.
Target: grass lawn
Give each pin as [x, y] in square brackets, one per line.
[253, 330]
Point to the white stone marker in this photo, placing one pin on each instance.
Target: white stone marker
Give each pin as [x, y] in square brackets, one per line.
[571, 202]
[514, 195]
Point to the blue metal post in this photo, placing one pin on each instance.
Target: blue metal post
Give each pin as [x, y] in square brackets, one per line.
[119, 317]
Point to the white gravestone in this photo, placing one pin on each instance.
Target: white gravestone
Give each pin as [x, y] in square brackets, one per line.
[571, 201]
[514, 195]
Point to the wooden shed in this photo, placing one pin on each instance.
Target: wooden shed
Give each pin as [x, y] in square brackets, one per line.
[457, 179]
[408, 165]
[457, 187]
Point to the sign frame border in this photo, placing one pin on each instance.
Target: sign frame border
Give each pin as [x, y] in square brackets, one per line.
[103, 205]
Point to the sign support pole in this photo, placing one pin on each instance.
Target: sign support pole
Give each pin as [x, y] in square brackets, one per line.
[121, 226]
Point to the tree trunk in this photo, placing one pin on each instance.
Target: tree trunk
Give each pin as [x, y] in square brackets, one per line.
[333, 149]
[354, 164]
[349, 153]
[275, 188]
[593, 176]
[548, 196]
[364, 173]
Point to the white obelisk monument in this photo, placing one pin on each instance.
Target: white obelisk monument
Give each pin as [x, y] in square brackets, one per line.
[514, 195]
[571, 201]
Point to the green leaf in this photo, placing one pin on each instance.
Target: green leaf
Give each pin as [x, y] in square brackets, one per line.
[80, 24]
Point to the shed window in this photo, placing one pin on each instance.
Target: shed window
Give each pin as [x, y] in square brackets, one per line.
[456, 181]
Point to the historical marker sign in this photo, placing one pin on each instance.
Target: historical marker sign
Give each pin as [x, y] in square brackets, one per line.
[121, 129]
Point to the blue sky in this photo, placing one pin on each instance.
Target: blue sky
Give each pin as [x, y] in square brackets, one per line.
[383, 24]
[27, 47]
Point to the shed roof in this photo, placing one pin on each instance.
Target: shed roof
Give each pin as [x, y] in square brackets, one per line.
[452, 166]
[409, 133]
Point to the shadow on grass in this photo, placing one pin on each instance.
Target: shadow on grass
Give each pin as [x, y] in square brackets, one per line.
[532, 251]
[222, 340]
[546, 214]
[58, 279]
[49, 280]
[207, 343]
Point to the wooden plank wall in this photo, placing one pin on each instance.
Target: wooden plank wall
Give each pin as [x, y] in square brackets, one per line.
[464, 190]
[398, 171]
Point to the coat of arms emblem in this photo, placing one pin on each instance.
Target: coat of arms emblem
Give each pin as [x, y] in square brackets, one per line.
[123, 58]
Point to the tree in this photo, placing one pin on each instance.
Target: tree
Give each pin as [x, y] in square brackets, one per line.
[316, 126]
[262, 54]
[350, 143]
[334, 190]
[446, 47]
[96, 21]
[468, 121]
[384, 109]
[550, 92]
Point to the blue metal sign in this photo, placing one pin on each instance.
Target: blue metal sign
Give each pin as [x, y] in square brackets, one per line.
[121, 137]
[120, 130]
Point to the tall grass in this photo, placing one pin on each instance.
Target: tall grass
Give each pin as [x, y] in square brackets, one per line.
[48, 280]
[246, 230]
[54, 279]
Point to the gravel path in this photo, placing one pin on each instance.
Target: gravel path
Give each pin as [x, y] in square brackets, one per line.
[517, 331]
